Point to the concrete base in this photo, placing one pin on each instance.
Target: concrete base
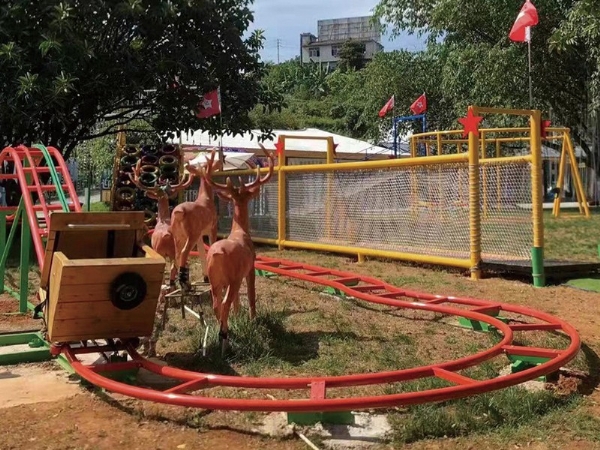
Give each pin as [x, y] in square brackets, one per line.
[368, 430]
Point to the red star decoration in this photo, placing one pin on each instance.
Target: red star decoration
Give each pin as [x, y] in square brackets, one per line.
[279, 147]
[545, 124]
[470, 123]
[335, 146]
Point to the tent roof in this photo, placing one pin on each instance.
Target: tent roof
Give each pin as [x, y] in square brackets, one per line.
[249, 141]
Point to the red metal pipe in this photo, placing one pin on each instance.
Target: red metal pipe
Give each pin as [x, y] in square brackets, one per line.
[67, 177]
[14, 156]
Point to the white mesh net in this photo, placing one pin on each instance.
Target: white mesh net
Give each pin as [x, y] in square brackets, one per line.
[506, 216]
[414, 210]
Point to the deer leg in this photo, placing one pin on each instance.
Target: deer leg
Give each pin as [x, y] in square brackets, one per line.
[251, 285]
[223, 333]
[232, 291]
[173, 275]
[202, 252]
[212, 238]
[184, 271]
[217, 298]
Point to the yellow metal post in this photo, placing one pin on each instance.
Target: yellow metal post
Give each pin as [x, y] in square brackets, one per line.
[328, 194]
[579, 190]
[439, 143]
[485, 196]
[281, 195]
[561, 177]
[537, 199]
[474, 207]
[498, 175]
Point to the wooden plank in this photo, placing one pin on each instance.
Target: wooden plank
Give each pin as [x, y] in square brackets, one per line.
[150, 252]
[63, 221]
[71, 294]
[82, 244]
[58, 262]
[104, 310]
[96, 328]
[77, 245]
[103, 271]
[96, 335]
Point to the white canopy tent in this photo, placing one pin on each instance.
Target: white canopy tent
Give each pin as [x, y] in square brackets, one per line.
[250, 140]
[233, 160]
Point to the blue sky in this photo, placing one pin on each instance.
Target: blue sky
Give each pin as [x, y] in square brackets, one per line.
[286, 19]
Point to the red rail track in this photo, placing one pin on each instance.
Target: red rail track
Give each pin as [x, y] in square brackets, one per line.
[370, 290]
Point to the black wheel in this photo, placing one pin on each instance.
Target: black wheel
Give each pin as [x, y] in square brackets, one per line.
[128, 290]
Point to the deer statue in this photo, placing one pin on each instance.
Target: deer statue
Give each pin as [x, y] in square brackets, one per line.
[162, 239]
[190, 222]
[231, 260]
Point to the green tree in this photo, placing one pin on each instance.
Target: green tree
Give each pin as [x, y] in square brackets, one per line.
[352, 55]
[70, 64]
[481, 65]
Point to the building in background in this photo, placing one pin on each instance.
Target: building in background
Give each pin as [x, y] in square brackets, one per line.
[331, 35]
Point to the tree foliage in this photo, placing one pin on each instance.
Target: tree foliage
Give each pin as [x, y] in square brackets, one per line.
[69, 65]
[469, 60]
[352, 55]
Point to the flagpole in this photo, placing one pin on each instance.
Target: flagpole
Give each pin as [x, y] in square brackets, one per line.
[528, 34]
[221, 157]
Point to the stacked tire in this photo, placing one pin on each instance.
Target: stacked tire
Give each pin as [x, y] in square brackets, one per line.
[159, 164]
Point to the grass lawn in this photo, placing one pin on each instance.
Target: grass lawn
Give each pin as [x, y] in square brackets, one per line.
[300, 332]
[572, 236]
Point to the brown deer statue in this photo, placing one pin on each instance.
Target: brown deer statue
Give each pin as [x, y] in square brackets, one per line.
[162, 238]
[231, 260]
[190, 222]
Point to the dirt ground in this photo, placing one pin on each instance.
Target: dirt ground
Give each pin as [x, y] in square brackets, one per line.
[84, 419]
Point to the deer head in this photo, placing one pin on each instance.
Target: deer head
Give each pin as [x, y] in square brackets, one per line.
[167, 190]
[242, 193]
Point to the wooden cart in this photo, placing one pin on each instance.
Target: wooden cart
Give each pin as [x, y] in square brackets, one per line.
[97, 278]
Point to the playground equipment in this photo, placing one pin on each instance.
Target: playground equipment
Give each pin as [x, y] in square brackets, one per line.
[111, 250]
[94, 268]
[397, 120]
[454, 209]
[231, 260]
[528, 362]
[31, 165]
[159, 164]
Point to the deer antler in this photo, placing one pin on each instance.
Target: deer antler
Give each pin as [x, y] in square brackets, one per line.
[207, 175]
[258, 180]
[135, 179]
[187, 180]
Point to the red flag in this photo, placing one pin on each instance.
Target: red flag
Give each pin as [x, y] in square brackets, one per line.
[210, 105]
[419, 106]
[527, 17]
[387, 107]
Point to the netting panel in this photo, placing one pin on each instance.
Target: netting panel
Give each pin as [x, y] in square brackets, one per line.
[506, 217]
[421, 210]
[262, 211]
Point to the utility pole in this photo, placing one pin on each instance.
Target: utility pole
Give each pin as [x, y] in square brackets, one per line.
[278, 42]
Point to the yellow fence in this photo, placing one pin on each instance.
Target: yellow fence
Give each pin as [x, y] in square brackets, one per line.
[446, 209]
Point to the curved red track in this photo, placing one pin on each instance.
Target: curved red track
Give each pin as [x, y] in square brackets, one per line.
[370, 290]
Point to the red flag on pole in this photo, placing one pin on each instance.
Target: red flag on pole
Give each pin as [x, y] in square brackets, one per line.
[527, 18]
[419, 106]
[387, 107]
[210, 104]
